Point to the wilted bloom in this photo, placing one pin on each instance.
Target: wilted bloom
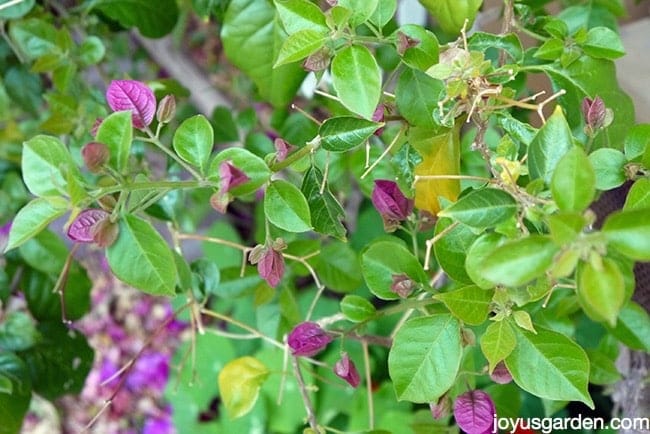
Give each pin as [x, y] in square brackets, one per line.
[105, 232]
[82, 229]
[346, 370]
[95, 155]
[378, 116]
[442, 408]
[404, 42]
[474, 412]
[135, 96]
[282, 149]
[166, 109]
[402, 285]
[269, 260]
[594, 114]
[219, 201]
[308, 339]
[230, 177]
[317, 61]
[389, 201]
[500, 374]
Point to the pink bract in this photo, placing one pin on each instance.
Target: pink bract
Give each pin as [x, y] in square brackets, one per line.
[82, 228]
[135, 96]
[474, 412]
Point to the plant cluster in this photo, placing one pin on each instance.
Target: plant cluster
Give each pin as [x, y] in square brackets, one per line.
[414, 241]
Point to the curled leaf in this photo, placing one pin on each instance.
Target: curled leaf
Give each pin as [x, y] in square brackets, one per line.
[135, 96]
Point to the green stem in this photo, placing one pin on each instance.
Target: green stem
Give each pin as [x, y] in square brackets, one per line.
[151, 185]
[156, 142]
[297, 155]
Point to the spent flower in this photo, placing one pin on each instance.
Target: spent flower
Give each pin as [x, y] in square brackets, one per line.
[269, 260]
[345, 368]
[95, 156]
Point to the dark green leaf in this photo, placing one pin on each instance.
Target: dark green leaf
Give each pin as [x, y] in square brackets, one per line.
[24, 88]
[154, 20]
[116, 132]
[609, 166]
[601, 290]
[91, 51]
[510, 43]
[451, 249]
[425, 358]
[33, 218]
[326, 211]
[286, 207]
[338, 267]
[417, 97]
[573, 183]
[357, 80]
[425, 53]
[225, 129]
[17, 332]
[193, 141]
[357, 309]
[141, 258]
[550, 144]
[482, 208]
[205, 277]
[629, 233]
[470, 304]
[35, 38]
[45, 252]
[519, 131]
[343, 133]
[14, 405]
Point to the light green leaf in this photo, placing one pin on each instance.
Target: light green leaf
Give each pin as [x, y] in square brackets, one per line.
[470, 304]
[451, 249]
[609, 166]
[425, 358]
[45, 163]
[482, 208]
[141, 258]
[480, 249]
[340, 134]
[601, 291]
[633, 327]
[193, 141]
[252, 36]
[573, 183]
[252, 165]
[560, 366]
[603, 368]
[639, 195]
[637, 141]
[357, 80]
[510, 43]
[384, 12]
[299, 15]
[523, 320]
[299, 45]
[520, 261]
[382, 260]
[338, 267]
[17, 10]
[566, 226]
[417, 97]
[91, 50]
[286, 207]
[603, 42]
[497, 342]
[629, 233]
[33, 218]
[239, 384]
[548, 146]
[116, 132]
[357, 309]
[153, 19]
[362, 10]
[424, 54]
[35, 38]
[326, 212]
[451, 14]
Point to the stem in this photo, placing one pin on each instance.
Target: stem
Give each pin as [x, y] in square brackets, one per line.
[297, 155]
[383, 154]
[432, 241]
[151, 185]
[232, 244]
[241, 325]
[311, 416]
[371, 404]
[156, 142]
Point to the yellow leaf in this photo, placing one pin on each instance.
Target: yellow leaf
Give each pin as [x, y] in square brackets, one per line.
[239, 383]
[440, 151]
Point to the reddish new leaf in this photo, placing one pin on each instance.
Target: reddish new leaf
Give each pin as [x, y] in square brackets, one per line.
[82, 228]
[135, 96]
[474, 412]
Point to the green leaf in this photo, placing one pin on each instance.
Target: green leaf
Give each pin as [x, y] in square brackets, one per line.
[451, 14]
[193, 141]
[338, 267]
[362, 10]
[60, 363]
[35, 38]
[604, 43]
[451, 249]
[252, 165]
[482, 208]
[14, 405]
[340, 134]
[286, 207]
[357, 80]
[481, 248]
[609, 166]
[510, 43]
[470, 304]
[382, 260]
[239, 384]
[425, 358]
[548, 146]
[566, 226]
[639, 195]
[154, 20]
[297, 15]
[116, 132]
[46, 162]
[384, 12]
[637, 141]
[252, 36]
[17, 10]
[17, 332]
[629, 233]
[573, 183]
[424, 54]
[45, 252]
[417, 97]
[91, 50]
[33, 218]
[601, 290]
[24, 88]
[141, 258]
[560, 366]
[550, 50]
[497, 342]
[603, 369]
[633, 327]
[300, 45]
[357, 309]
[520, 261]
[225, 129]
[326, 212]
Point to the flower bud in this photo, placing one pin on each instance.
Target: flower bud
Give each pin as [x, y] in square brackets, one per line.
[219, 201]
[389, 201]
[231, 177]
[442, 408]
[82, 228]
[269, 260]
[500, 374]
[346, 370]
[166, 109]
[95, 155]
[402, 285]
[308, 339]
[404, 42]
[282, 149]
[594, 114]
[474, 412]
[105, 232]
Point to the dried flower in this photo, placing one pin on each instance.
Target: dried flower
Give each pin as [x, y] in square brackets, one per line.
[402, 285]
[219, 201]
[317, 61]
[95, 155]
[270, 262]
[346, 370]
[389, 201]
[474, 412]
[230, 177]
[404, 42]
[166, 109]
[500, 374]
[95, 127]
[442, 408]
[82, 229]
[105, 232]
[282, 149]
[308, 339]
[135, 96]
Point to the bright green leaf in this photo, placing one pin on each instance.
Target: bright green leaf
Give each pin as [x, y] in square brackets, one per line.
[417, 97]
[451, 250]
[299, 45]
[33, 218]
[193, 141]
[480, 249]
[357, 309]
[116, 132]
[510, 43]
[338, 267]
[629, 233]
[340, 134]
[425, 53]
[297, 15]
[35, 38]
[639, 195]
[451, 14]
[573, 183]
[633, 327]
[362, 10]
[482, 208]
[357, 80]
[609, 166]
[17, 10]
[384, 12]
[239, 384]
[601, 291]
[286, 207]
[91, 50]
[470, 304]
[637, 141]
[497, 342]
[603, 369]
[46, 162]
[603, 42]
[548, 146]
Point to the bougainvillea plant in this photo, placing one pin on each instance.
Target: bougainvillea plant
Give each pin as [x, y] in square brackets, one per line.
[411, 245]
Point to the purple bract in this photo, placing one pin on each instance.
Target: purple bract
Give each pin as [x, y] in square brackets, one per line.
[474, 412]
[346, 370]
[135, 96]
[389, 201]
[82, 229]
[308, 339]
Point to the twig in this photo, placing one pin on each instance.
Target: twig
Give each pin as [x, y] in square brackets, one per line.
[371, 403]
[430, 242]
[311, 416]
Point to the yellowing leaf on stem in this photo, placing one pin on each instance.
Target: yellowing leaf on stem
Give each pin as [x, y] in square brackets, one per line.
[239, 384]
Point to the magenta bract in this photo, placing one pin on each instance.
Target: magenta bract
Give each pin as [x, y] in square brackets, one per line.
[346, 370]
[308, 339]
[135, 96]
[82, 229]
[594, 112]
[271, 267]
[474, 412]
[230, 177]
[501, 374]
[389, 201]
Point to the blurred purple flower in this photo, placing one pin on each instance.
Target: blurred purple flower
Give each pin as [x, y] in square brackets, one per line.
[345, 369]
[82, 228]
[442, 408]
[378, 116]
[402, 285]
[474, 412]
[160, 424]
[151, 371]
[282, 149]
[135, 96]
[308, 339]
[391, 204]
